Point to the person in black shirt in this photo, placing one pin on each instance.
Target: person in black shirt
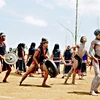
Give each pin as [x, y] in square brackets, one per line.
[57, 57]
[20, 64]
[30, 56]
[68, 59]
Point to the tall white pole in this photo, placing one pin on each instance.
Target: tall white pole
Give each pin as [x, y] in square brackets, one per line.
[76, 22]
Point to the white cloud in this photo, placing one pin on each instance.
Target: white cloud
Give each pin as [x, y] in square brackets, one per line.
[2, 3]
[36, 22]
[90, 6]
[46, 4]
[56, 3]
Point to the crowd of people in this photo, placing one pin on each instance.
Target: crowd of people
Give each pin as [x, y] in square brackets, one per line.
[75, 60]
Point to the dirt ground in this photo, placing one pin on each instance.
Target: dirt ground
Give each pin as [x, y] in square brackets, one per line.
[32, 90]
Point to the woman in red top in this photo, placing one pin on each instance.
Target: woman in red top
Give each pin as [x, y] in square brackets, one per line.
[39, 56]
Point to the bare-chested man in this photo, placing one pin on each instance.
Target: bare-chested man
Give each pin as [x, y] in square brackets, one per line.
[95, 54]
[77, 60]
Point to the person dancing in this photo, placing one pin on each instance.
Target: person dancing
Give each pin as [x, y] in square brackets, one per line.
[30, 54]
[20, 64]
[3, 66]
[39, 56]
[95, 54]
[77, 60]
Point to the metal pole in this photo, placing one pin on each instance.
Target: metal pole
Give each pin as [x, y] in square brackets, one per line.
[76, 22]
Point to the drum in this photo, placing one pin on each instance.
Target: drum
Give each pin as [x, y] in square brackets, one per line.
[52, 68]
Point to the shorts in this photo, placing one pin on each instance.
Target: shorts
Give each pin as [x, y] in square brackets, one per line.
[5, 65]
[78, 69]
[29, 61]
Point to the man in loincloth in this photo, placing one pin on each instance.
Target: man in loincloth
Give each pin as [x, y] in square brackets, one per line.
[95, 54]
[77, 59]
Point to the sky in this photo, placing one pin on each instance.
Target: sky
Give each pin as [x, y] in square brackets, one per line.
[27, 21]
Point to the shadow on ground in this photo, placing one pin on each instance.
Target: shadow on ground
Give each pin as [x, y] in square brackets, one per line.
[79, 93]
[35, 85]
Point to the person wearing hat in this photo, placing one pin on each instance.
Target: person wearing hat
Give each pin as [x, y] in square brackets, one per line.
[77, 60]
[94, 51]
[3, 65]
[39, 56]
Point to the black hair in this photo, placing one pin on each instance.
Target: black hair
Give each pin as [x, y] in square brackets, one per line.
[33, 44]
[1, 35]
[56, 47]
[97, 32]
[44, 40]
[82, 38]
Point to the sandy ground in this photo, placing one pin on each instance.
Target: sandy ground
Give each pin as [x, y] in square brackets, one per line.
[32, 90]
